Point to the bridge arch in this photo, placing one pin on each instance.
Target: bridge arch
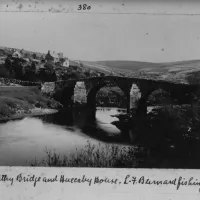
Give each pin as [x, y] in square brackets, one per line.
[171, 96]
[160, 97]
[92, 94]
[148, 97]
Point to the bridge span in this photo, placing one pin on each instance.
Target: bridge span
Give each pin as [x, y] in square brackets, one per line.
[183, 93]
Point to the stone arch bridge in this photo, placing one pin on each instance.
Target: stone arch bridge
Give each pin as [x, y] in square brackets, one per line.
[89, 87]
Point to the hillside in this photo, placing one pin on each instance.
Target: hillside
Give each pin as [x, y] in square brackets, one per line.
[147, 66]
[100, 67]
[127, 65]
[180, 71]
[18, 101]
[7, 50]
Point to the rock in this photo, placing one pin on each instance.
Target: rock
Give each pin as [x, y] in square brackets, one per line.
[48, 88]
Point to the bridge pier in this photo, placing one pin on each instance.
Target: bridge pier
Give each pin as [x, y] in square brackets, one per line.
[91, 106]
[141, 109]
[128, 96]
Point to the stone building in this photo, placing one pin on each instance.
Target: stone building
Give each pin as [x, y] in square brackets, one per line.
[49, 59]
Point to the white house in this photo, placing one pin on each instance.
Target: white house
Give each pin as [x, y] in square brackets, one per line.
[66, 62]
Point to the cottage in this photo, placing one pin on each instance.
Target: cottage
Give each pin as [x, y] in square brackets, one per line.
[49, 59]
[55, 56]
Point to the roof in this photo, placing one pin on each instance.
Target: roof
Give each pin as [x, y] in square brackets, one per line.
[16, 54]
[35, 60]
[49, 57]
[26, 59]
[73, 63]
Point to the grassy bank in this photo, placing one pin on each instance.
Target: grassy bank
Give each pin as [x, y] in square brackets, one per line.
[101, 155]
[17, 101]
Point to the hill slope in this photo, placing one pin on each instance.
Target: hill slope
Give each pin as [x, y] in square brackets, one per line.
[180, 71]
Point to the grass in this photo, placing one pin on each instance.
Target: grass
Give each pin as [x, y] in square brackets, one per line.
[16, 98]
[101, 155]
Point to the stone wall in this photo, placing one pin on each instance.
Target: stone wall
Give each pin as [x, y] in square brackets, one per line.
[6, 81]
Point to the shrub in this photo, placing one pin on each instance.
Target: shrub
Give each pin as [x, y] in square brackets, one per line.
[4, 72]
[194, 78]
[5, 111]
[101, 155]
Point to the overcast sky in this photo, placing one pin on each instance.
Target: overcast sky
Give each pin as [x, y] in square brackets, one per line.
[150, 37]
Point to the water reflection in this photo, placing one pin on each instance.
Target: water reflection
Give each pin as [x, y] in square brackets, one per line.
[23, 140]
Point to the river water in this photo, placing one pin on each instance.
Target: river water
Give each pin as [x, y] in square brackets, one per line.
[21, 141]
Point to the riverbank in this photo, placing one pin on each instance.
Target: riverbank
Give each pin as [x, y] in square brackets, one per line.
[17, 102]
[33, 113]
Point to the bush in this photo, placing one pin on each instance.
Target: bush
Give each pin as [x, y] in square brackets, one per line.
[5, 111]
[194, 78]
[170, 125]
[4, 72]
[34, 56]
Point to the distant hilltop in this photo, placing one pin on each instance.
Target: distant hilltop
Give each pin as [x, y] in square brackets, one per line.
[7, 49]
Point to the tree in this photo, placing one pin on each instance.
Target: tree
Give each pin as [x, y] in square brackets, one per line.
[34, 56]
[8, 62]
[33, 66]
[18, 69]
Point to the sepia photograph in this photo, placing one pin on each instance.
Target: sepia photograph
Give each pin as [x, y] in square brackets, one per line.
[99, 89]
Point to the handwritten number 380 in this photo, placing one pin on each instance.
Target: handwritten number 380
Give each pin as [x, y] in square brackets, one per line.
[84, 7]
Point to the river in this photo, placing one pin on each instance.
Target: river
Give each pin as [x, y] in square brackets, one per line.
[21, 141]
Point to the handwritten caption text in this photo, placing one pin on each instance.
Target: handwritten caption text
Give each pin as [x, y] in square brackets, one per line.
[127, 180]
